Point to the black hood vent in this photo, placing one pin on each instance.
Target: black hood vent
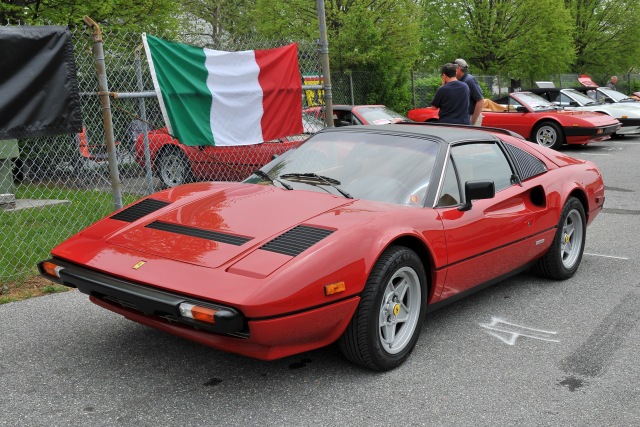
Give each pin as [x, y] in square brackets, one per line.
[199, 232]
[296, 240]
[139, 210]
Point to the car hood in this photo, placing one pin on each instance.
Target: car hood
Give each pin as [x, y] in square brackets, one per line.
[214, 229]
[597, 119]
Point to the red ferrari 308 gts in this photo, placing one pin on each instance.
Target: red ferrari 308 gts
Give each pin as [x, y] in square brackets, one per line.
[537, 119]
[352, 237]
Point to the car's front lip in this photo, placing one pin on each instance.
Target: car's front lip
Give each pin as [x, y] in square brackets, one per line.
[151, 302]
[590, 131]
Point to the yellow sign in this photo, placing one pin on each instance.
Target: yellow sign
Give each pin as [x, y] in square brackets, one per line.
[314, 97]
[138, 265]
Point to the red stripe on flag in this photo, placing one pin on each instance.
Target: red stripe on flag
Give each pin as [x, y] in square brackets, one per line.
[281, 91]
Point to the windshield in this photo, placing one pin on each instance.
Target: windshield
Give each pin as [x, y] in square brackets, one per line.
[380, 115]
[535, 102]
[580, 97]
[367, 166]
[617, 96]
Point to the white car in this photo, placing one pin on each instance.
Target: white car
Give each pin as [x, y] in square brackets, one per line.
[627, 112]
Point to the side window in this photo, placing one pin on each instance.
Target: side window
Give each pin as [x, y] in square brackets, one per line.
[450, 192]
[565, 101]
[482, 161]
[513, 104]
[600, 96]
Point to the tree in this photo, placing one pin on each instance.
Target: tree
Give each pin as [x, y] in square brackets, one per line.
[223, 16]
[533, 37]
[135, 15]
[606, 34]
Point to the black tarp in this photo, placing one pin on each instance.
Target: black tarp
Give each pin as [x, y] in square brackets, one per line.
[38, 86]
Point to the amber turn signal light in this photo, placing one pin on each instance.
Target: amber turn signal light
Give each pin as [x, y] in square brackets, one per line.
[196, 312]
[52, 269]
[334, 288]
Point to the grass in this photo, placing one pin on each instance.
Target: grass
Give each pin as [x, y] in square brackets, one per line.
[29, 235]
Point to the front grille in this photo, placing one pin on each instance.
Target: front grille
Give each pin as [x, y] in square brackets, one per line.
[139, 210]
[199, 233]
[528, 164]
[296, 240]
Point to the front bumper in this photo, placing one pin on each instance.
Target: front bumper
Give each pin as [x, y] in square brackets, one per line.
[591, 132]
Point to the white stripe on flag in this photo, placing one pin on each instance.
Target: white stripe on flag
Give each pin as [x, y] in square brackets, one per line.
[233, 82]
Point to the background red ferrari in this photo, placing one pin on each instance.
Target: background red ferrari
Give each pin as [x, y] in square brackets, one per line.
[352, 237]
[537, 119]
[349, 115]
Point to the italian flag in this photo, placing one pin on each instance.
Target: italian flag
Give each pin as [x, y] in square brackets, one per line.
[211, 97]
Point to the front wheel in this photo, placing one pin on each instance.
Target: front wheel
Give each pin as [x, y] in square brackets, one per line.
[386, 325]
[563, 257]
[174, 169]
[548, 134]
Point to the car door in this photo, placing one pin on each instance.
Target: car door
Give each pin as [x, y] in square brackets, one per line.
[511, 119]
[490, 239]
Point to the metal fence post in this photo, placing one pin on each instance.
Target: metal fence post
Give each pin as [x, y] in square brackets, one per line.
[106, 112]
[413, 90]
[143, 116]
[351, 86]
[323, 49]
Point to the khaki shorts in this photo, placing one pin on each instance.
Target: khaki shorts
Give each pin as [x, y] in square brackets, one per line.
[478, 122]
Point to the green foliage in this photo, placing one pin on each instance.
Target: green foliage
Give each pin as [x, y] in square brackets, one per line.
[500, 36]
[136, 15]
[54, 289]
[606, 34]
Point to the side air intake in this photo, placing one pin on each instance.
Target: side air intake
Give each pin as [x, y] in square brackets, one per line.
[139, 210]
[199, 232]
[528, 164]
[296, 240]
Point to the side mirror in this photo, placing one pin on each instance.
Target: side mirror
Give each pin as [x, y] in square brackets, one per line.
[573, 104]
[608, 100]
[476, 190]
[522, 109]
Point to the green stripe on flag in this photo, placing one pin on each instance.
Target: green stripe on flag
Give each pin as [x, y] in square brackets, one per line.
[182, 78]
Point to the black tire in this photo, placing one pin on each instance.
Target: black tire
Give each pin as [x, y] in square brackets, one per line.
[548, 134]
[554, 264]
[362, 343]
[173, 168]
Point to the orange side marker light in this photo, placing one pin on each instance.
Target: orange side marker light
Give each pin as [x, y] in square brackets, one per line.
[197, 312]
[334, 288]
[52, 269]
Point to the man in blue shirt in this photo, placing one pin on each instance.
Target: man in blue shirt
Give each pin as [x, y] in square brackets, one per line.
[452, 98]
[476, 100]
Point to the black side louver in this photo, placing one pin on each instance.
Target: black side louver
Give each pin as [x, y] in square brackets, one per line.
[137, 211]
[198, 232]
[528, 164]
[296, 240]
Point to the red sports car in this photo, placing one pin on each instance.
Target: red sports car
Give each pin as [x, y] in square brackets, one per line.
[352, 237]
[177, 164]
[349, 115]
[537, 119]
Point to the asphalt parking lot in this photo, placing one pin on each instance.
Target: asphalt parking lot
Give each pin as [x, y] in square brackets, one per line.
[527, 351]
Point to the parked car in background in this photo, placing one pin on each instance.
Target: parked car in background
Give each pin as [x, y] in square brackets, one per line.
[176, 164]
[577, 100]
[352, 237]
[539, 120]
[609, 96]
[350, 115]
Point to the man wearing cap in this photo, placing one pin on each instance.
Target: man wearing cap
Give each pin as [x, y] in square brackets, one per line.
[476, 100]
[452, 98]
[611, 84]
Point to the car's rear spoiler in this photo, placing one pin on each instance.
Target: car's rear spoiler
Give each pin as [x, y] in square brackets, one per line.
[489, 129]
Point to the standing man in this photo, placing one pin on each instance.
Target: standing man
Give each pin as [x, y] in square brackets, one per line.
[452, 98]
[476, 100]
[611, 84]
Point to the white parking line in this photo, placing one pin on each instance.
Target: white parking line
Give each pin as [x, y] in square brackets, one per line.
[607, 256]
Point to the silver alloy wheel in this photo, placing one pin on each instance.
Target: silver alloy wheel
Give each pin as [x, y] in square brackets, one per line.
[571, 245]
[546, 136]
[399, 310]
[173, 169]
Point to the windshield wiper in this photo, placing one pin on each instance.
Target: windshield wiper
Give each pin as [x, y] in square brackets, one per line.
[264, 175]
[315, 177]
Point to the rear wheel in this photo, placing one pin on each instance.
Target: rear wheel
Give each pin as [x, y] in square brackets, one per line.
[174, 168]
[386, 325]
[548, 134]
[563, 257]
